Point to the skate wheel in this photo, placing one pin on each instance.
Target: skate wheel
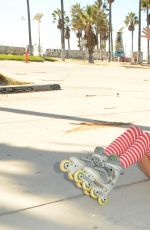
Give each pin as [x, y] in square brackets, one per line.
[79, 185]
[87, 193]
[93, 194]
[86, 187]
[102, 202]
[70, 176]
[78, 176]
[64, 165]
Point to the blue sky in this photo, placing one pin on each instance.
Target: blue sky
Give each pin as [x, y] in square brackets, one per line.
[14, 30]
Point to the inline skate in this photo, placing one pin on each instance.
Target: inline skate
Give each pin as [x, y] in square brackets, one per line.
[91, 178]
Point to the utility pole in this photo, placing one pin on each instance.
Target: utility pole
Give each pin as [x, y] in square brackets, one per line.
[139, 35]
[148, 23]
[29, 29]
[109, 45]
[62, 32]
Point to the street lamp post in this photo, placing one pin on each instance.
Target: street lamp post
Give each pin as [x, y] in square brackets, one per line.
[38, 17]
[139, 35]
[62, 32]
[109, 45]
[29, 28]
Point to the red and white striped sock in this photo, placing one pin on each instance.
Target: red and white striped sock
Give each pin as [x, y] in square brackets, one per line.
[130, 146]
[123, 142]
[134, 153]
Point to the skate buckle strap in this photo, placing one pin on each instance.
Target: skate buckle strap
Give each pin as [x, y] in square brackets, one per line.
[87, 179]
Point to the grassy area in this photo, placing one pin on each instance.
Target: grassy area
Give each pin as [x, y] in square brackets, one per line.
[8, 81]
[51, 59]
[4, 80]
[22, 58]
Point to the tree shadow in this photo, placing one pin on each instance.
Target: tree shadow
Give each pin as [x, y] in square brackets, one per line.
[36, 195]
[31, 178]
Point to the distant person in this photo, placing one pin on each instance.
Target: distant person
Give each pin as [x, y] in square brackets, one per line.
[146, 33]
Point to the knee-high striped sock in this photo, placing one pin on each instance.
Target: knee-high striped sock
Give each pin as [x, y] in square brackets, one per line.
[123, 142]
[136, 151]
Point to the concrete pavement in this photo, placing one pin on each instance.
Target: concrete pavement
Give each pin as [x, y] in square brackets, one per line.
[96, 104]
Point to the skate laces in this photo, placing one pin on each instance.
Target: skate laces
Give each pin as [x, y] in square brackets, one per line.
[98, 160]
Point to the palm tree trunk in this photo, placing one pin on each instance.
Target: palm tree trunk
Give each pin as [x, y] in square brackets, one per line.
[111, 43]
[29, 28]
[97, 40]
[68, 45]
[139, 35]
[91, 60]
[62, 32]
[132, 44]
[100, 42]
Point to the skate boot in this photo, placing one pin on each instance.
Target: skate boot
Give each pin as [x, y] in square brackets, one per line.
[71, 166]
[93, 183]
[96, 159]
[99, 160]
[101, 191]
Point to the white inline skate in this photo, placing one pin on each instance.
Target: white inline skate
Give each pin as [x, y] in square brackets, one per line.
[73, 164]
[91, 180]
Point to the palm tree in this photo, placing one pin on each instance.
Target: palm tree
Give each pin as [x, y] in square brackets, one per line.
[101, 25]
[146, 6]
[29, 28]
[67, 36]
[131, 21]
[61, 25]
[89, 35]
[92, 20]
[77, 23]
[57, 19]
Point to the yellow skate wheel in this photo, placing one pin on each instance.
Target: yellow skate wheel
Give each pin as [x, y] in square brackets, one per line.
[70, 176]
[93, 194]
[87, 193]
[86, 187]
[78, 176]
[64, 165]
[79, 185]
[102, 202]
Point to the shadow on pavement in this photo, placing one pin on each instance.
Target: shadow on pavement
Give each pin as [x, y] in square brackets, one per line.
[33, 191]
[74, 118]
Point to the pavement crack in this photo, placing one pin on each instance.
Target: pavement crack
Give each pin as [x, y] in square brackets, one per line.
[131, 184]
[63, 199]
[38, 206]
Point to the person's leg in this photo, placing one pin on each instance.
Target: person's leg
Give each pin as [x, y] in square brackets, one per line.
[144, 165]
[136, 151]
[123, 142]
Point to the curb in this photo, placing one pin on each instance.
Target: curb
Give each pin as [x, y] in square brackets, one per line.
[28, 88]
